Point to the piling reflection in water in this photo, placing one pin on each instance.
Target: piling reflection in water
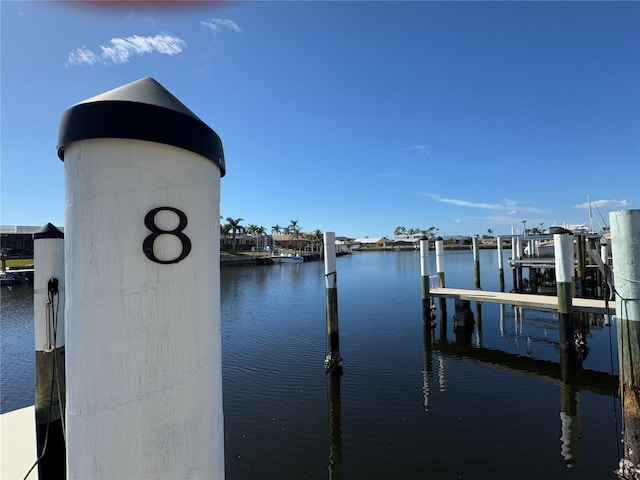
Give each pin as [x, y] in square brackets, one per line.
[568, 371]
[335, 427]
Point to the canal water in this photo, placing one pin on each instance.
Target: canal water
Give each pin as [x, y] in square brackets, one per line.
[413, 402]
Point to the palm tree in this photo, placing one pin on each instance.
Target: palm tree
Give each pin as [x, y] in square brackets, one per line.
[294, 230]
[276, 229]
[319, 239]
[260, 231]
[235, 227]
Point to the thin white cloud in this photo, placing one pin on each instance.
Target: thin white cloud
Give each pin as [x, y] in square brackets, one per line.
[604, 204]
[509, 206]
[420, 148]
[119, 50]
[464, 203]
[215, 25]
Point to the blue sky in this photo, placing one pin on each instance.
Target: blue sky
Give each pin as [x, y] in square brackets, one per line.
[352, 117]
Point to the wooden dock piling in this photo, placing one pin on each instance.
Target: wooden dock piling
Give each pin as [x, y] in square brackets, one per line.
[441, 278]
[424, 276]
[476, 262]
[144, 357]
[563, 243]
[500, 263]
[625, 249]
[48, 310]
[333, 361]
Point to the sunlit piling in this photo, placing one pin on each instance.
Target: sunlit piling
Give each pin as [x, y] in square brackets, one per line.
[441, 280]
[514, 257]
[333, 361]
[427, 314]
[625, 250]
[144, 361]
[563, 246]
[500, 263]
[48, 326]
[580, 246]
[476, 262]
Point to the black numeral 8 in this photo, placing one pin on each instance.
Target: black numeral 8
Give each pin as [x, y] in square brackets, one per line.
[150, 223]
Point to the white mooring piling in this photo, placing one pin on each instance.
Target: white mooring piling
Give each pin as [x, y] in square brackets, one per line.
[500, 263]
[48, 327]
[427, 316]
[441, 279]
[144, 376]
[440, 261]
[333, 361]
[476, 262]
[625, 251]
[563, 253]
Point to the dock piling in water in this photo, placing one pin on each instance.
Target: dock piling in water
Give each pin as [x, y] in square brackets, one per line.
[476, 262]
[500, 263]
[48, 326]
[333, 361]
[625, 250]
[563, 246]
[441, 281]
[144, 376]
[424, 275]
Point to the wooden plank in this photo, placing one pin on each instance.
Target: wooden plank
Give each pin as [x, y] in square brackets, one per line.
[539, 302]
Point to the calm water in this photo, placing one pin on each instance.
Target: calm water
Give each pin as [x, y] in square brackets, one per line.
[411, 403]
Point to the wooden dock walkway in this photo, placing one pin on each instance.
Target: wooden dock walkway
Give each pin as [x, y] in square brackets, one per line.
[18, 444]
[538, 302]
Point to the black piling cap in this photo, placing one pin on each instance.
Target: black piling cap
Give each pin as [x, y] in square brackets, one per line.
[48, 231]
[141, 110]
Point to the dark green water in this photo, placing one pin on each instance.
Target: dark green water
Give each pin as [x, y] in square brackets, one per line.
[412, 403]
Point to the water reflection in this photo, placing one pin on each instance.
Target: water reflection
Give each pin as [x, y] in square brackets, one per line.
[568, 370]
[335, 427]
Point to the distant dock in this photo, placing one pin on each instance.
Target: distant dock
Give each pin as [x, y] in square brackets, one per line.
[538, 302]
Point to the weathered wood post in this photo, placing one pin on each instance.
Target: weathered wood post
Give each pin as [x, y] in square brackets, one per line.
[602, 276]
[514, 258]
[441, 280]
[625, 250]
[144, 364]
[580, 264]
[563, 252]
[476, 262]
[48, 314]
[500, 263]
[424, 275]
[333, 361]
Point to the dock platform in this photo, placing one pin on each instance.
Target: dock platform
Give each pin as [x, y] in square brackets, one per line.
[18, 444]
[538, 302]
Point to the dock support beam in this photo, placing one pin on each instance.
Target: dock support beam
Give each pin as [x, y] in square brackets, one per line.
[563, 245]
[333, 361]
[625, 249]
